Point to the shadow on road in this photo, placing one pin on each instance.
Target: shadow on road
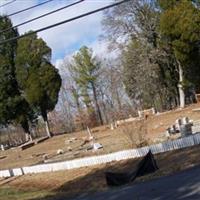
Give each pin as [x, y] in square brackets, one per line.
[184, 185]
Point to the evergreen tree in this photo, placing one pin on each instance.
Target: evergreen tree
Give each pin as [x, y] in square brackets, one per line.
[13, 107]
[38, 79]
[179, 26]
[86, 68]
[9, 95]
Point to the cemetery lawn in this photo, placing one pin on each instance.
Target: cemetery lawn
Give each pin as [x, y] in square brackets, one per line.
[112, 140]
[70, 183]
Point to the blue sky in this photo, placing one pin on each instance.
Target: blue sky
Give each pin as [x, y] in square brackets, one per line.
[67, 38]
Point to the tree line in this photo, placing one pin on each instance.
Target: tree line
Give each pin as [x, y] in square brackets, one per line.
[160, 43]
[29, 83]
[158, 64]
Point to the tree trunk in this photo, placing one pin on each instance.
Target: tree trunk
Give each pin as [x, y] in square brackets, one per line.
[47, 128]
[180, 86]
[104, 107]
[25, 126]
[162, 107]
[79, 110]
[118, 101]
[96, 104]
[28, 137]
[46, 122]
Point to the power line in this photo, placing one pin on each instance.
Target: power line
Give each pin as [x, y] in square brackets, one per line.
[44, 15]
[64, 22]
[23, 10]
[7, 3]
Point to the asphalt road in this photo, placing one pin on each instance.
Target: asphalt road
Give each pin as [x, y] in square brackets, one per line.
[181, 186]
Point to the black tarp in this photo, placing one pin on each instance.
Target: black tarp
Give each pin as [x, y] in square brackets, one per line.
[146, 166]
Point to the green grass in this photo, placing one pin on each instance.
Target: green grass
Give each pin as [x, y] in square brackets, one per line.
[8, 193]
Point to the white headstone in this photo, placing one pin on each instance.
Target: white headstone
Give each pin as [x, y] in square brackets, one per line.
[185, 120]
[167, 134]
[178, 124]
[111, 126]
[45, 157]
[69, 148]
[140, 113]
[60, 151]
[2, 147]
[97, 146]
[153, 111]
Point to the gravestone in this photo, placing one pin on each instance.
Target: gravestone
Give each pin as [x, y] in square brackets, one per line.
[97, 146]
[139, 114]
[111, 126]
[167, 133]
[69, 148]
[178, 123]
[59, 151]
[186, 129]
[185, 120]
[2, 147]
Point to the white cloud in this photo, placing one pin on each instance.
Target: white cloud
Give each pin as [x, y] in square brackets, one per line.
[101, 49]
[66, 38]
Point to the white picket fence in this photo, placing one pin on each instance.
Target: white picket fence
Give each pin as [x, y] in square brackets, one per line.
[95, 160]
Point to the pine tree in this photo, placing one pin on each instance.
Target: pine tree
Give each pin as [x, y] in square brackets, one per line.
[86, 68]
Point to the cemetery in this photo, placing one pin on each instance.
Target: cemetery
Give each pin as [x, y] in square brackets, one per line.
[97, 141]
[120, 136]
[99, 100]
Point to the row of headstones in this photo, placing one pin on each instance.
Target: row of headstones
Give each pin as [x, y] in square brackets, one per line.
[141, 114]
[183, 126]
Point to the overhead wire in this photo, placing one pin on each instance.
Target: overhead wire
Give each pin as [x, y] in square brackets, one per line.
[64, 22]
[31, 7]
[5, 4]
[41, 16]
